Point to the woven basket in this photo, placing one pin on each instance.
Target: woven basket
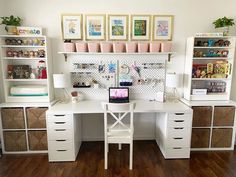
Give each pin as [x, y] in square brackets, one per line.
[36, 117]
[14, 141]
[12, 118]
[38, 140]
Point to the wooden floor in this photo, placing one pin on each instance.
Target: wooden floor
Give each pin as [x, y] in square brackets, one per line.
[148, 162]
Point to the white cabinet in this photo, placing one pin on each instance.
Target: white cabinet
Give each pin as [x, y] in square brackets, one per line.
[173, 134]
[64, 136]
[26, 64]
[209, 68]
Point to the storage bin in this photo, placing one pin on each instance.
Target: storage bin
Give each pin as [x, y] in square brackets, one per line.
[38, 140]
[106, 47]
[155, 47]
[93, 47]
[14, 141]
[131, 47]
[118, 47]
[12, 118]
[143, 47]
[166, 47]
[81, 47]
[69, 47]
[36, 117]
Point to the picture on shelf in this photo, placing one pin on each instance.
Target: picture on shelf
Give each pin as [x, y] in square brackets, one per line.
[118, 27]
[140, 26]
[162, 27]
[20, 71]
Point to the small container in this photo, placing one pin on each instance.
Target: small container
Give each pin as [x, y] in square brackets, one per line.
[74, 99]
[131, 47]
[166, 47]
[118, 47]
[81, 47]
[143, 47]
[69, 47]
[155, 47]
[93, 46]
[106, 47]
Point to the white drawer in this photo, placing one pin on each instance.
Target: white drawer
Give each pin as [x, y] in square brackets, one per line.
[60, 118]
[59, 125]
[172, 153]
[61, 155]
[179, 132]
[177, 116]
[60, 145]
[180, 122]
[178, 141]
[60, 134]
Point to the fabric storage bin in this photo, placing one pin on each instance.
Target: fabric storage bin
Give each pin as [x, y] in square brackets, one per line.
[143, 47]
[81, 47]
[118, 47]
[166, 47]
[15, 141]
[93, 46]
[106, 47]
[155, 47]
[224, 116]
[221, 137]
[36, 117]
[12, 118]
[37, 140]
[69, 47]
[131, 47]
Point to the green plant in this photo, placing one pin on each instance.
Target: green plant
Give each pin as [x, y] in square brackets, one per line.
[11, 21]
[223, 22]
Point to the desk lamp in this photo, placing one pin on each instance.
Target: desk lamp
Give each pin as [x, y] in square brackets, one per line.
[62, 81]
[172, 81]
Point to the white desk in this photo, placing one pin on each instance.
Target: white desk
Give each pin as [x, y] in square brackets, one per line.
[173, 127]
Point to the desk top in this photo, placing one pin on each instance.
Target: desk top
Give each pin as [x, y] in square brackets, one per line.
[142, 106]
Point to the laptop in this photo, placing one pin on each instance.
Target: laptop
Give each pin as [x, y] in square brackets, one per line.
[118, 94]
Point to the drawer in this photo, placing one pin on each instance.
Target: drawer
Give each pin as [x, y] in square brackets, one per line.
[173, 153]
[178, 141]
[180, 122]
[61, 155]
[179, 132]
[179, 116]
[59, 134]
[60, 145]
[59, 118]
[59, 125]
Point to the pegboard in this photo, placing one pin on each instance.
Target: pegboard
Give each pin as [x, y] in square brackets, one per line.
[145, 72]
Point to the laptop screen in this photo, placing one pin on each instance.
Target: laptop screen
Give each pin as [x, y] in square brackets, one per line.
[118, 94]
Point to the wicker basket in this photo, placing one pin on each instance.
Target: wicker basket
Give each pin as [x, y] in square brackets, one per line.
[36, 117]
[13, 118]
[15, 141]
[38, 140]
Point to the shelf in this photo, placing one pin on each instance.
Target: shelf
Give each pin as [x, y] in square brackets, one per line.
[22, 58]
[211, 58]
[22, 46]
[210, 96]
[210, 79]
[20, 36]
[196, 47]
[27, 99]
[25, 80]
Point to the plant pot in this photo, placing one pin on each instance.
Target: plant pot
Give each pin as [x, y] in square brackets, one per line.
[224, 29]
[12, 30]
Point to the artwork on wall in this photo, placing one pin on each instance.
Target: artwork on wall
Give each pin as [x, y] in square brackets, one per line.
[140, 26]
[118, 27]
[162, 27]
[95, 27]
[71, 26]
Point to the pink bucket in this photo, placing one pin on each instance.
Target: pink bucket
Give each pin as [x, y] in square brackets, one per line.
[131, 47]
[155, 47]
[166, 47]
[93, 46]
[118, 47]
[81, 47]
[106, 47]
[143, 47]
[69, 47]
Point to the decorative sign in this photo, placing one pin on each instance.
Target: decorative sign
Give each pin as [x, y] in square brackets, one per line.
[29, 31]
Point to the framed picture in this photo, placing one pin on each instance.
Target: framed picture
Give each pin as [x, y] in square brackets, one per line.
[118, 27]
[140, 26]
[162, 27]
[71, 26]
[95, 27]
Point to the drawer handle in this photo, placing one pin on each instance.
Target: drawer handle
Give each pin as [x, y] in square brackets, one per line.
[59, 115]
[59, 122]
[60, 130]
[178, 114]
[179, 128]
[177, 148]
[178, 138]
[61, 150]
[179, 120]
[60, 140]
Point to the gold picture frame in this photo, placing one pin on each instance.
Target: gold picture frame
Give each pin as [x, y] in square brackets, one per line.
[140, 27]
[72, 26]
[162, 27]
[95, 26]
[118, 27]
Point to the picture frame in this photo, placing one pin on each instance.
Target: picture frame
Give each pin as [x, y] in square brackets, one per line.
[162, 27]
[95, 27]
[118, 27]
[140, 26]
[72, 26]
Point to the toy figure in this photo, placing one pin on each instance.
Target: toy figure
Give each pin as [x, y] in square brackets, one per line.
[20, 53]
[31, 54]
[42, 72]
[8, 41]
[41, 53]
[226, 43]
[26, 54]
[36, 54]
[224, 53]
[19, 42]
[15, 54]
[9, 53]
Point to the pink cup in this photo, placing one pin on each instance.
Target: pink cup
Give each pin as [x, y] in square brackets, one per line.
[155, 47]
[166, 47]
[131, 47]
[69, 47]
[93, 46]
[106, 47]
[143, 47]
[118, 47]
[81, 47]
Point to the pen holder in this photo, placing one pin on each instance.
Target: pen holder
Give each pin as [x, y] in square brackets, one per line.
[74, 99]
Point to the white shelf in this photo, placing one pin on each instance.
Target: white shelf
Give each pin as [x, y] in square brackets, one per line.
[210, 96]
[210, 79]
[112, 53]
[22, 36]
[25, 80]
[22, 46]
[22, 58]
[215, 47]
[211, 58]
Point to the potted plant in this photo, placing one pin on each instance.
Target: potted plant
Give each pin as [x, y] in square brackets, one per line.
[11, 23]
[224, 23]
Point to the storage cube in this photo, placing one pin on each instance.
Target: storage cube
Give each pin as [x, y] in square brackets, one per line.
[36, 117]
[200, 138]
[14, 141]
[221, 137]
[224, 116]
[202, 116]
[37, 140]
[12, 118]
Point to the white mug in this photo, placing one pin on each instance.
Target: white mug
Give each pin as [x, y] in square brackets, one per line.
[74, 99]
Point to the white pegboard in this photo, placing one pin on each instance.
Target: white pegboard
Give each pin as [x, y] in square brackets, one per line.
[106, 70]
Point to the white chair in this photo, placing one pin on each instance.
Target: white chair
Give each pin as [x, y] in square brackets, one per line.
[116, 130]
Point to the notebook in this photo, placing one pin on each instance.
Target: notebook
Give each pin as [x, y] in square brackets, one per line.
[118, 94]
